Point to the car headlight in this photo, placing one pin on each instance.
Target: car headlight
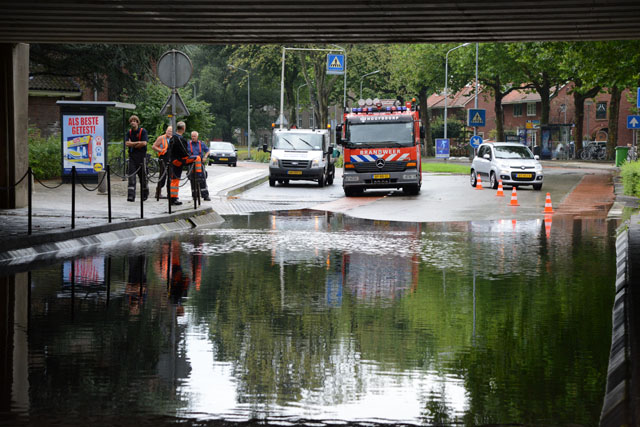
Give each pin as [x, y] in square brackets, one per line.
[538, 167]
[316, 163]
[274, 161]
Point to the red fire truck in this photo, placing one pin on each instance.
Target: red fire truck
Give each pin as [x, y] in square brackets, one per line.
[381, 142]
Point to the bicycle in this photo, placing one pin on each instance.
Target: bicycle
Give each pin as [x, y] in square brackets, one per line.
[593, 152]
[632, 154]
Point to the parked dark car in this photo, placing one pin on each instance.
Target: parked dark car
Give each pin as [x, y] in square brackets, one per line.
[223, 153]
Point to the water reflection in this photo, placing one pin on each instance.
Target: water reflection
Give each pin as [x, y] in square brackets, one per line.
[308, 315]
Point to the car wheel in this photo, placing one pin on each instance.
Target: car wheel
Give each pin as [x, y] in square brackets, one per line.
[272, 182]
[322, 180]
[235, 164]
[537, 187]
[330, 178]
[474, 178]
[493, 180]
[229, 164]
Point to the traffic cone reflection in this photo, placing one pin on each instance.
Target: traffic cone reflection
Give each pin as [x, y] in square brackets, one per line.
[513, 224]
[478, 182]
[547, 225]
[547, 204]
[514, 197]
[500, 192]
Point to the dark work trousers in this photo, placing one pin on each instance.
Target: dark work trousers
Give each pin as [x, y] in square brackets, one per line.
[202, 180]
[134, 164]
[163, 173]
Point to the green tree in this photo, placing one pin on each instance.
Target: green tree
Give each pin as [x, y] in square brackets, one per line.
[497, 71]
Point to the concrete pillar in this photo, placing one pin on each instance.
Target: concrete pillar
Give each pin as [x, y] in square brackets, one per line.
[14, 347]
[14, 149]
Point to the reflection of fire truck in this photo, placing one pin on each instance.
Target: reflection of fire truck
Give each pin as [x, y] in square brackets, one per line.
[371, 275]
[381, 142]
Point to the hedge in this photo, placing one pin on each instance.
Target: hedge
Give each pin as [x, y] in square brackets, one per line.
[630, 172]
[44, 154]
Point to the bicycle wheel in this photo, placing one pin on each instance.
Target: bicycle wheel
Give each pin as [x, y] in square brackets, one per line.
[152, 167]
[602, 154]
[585, 154]
[118, 166]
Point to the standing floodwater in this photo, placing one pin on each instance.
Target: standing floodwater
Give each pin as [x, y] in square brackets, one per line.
[310, 316]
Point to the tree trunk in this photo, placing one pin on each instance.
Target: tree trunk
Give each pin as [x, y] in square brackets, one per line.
[578, 119]
[427, 148]
[545, 93]
[578, 102]
[497, 108]
[614, 113]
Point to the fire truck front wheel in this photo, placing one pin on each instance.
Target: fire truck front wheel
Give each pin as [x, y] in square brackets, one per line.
[352, 191]
[411, 190]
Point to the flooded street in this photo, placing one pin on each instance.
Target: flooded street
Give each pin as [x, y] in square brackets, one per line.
[305, 315]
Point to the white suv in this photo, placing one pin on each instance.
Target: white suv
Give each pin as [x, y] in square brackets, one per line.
[513, 163]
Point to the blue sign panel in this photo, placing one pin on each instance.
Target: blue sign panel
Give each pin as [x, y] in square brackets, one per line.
[475, 141]
[638, 99]
[442, 148]
[633, 122]
[335, 63]
[476, 117]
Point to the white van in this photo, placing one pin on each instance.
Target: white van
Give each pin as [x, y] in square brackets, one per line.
[301, 154]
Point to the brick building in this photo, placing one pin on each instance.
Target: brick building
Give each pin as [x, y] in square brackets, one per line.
[522, 111]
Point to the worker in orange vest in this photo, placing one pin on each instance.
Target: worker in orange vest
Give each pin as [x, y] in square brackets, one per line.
[180, 157]
[161, 146]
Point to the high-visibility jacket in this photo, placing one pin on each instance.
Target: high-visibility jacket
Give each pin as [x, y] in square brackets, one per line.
[164, 145]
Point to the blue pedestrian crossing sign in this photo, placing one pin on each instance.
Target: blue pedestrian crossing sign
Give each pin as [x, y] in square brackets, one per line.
[633, 122]
[475, 141]
[442, 148]
[476, 117]
[335, 63]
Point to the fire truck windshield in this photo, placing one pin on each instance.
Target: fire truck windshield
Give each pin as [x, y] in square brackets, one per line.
[378, 134]
[300, 141]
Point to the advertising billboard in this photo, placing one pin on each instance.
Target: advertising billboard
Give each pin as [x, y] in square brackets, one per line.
[83, 143]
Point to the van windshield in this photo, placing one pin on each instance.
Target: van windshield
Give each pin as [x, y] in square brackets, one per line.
[293, 141]
[513, 152]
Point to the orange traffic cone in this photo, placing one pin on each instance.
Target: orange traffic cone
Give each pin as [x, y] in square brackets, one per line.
[479, 182]
[514, 197]
[547, 204]
[547, 225]
[500, 192]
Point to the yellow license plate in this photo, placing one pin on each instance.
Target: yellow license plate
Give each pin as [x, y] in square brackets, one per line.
[223, 158]
[294, 172]
[381, 176]
[524, 175]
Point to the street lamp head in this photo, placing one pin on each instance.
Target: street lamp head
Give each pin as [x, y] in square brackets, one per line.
[466, 44]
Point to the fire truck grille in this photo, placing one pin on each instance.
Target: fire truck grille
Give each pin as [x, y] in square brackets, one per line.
[388, 167]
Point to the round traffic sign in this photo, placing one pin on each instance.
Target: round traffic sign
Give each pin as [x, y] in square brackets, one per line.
[475, 141]
[174, 69]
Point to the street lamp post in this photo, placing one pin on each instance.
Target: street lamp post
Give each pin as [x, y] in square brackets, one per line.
[446, 82]
[248, 109]
[362, 78]
[297, 103]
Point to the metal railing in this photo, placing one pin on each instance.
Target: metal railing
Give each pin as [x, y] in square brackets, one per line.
[75, 179]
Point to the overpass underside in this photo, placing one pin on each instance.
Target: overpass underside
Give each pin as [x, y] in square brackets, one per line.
[278, 21]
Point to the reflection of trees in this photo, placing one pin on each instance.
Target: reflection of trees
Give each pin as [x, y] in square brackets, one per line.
[524, 359]
[105, 359]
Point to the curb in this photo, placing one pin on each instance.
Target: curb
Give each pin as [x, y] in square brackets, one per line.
[29, 246]
[233, 191]
[622, 390]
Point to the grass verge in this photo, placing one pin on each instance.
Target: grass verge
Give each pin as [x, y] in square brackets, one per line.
[441, 167]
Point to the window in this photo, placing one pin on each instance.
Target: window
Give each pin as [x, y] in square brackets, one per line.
[601, 110]
[517, 110]
[311, 125]
[531, 109]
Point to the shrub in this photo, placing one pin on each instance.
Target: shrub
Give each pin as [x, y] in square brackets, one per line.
[630, 172]
[45, 155]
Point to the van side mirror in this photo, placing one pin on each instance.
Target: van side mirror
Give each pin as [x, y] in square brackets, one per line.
[487, 156]
[422, 133]
[339, 135]
[536, 157]
[265, 148]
